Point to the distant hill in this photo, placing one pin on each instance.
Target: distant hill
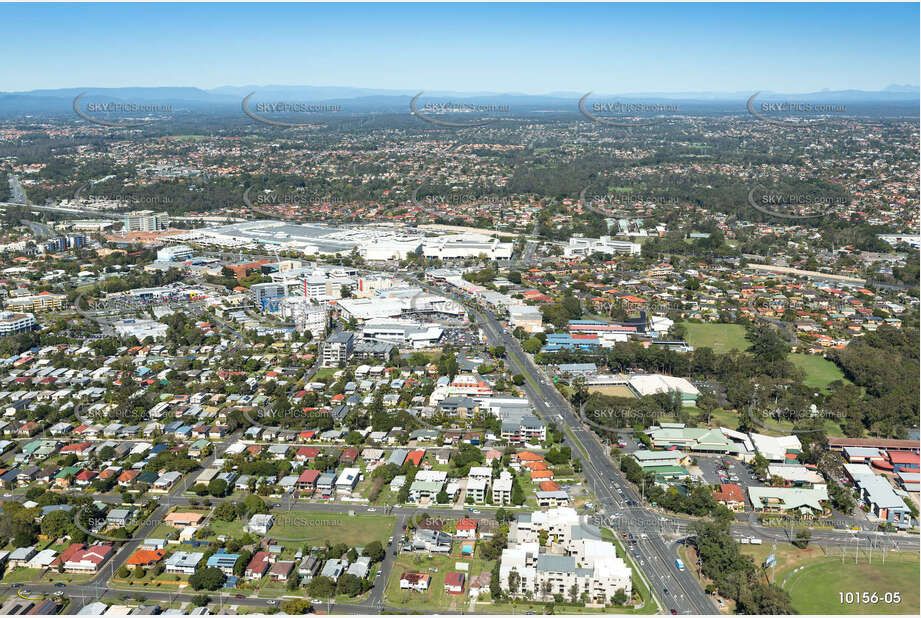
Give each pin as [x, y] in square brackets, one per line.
[227, 99]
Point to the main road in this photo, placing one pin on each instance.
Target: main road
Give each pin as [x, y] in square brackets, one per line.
[612, 490]
[619, 502]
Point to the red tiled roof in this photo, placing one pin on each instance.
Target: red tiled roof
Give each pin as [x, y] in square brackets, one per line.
[729, 492]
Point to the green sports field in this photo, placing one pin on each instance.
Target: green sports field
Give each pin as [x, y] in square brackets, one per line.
[720, 337]
[820, 372]
[816, 588]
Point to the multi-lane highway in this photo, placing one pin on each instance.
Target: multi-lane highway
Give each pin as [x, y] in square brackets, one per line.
[676, 589]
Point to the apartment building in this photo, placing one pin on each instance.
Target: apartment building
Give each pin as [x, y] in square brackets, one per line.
[145, 221]
[338, 348]
[577, 557]
[12, 323]
[46, 301]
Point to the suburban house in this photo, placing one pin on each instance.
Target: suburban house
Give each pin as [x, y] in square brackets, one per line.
[183, 562]
[731, 496]
[258, 565]
[454, 582]
[415, 581]
[80, 558]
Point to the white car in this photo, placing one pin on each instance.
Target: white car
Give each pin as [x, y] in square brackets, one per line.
[372, 510]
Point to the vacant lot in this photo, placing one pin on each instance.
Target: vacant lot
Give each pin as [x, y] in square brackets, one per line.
[720, 337]
[435, 598]
[354, 531]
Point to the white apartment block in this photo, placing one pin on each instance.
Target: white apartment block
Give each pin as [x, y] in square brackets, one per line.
[577, 557]
[11, 323]
[502, 489]
[604, 244]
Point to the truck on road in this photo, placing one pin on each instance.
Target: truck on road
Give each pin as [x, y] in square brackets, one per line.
[679, 564]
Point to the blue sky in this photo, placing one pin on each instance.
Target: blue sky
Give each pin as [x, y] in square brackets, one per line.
[532, 48]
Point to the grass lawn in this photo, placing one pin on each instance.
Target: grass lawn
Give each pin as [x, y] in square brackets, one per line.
[814, 589]
[53, 577]
[355, 531]
[20, 575]
[722, 418]
[325, 372]
[231, 529]
[820, 372]
[435, 597]
[720, 337]
[163, 531]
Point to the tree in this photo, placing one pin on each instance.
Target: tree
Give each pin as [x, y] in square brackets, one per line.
[767, 345]
[225, 511]
[495, 585]
[375, 551]
[24, 537]
[349, 585]
[620, 597]
[759, 465]
[57, 524]
[518, 497]
[513, 580]
[802, 538]
[707, 402]
[239, 567]
[532, 345]
[201, 600]
[297, 607]
[542, 537]
[208, 578]
[322, 587]
[123, 572]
